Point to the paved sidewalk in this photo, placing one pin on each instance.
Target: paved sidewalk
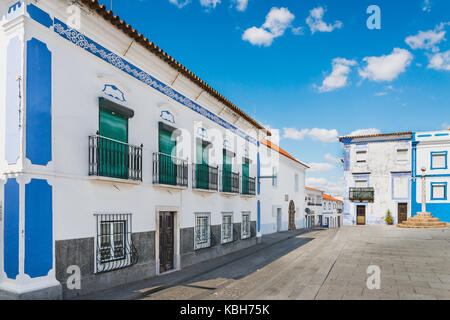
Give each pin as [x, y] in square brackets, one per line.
[153, 285]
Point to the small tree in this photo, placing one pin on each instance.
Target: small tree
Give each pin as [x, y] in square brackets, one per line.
[389, 219]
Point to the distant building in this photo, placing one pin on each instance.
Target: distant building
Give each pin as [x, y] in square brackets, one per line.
[313, 207]
[430, 150]
[377, 174]
[332, 209]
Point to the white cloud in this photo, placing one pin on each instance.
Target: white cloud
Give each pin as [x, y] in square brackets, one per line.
[440, 61]
[277, 21]
[386, 67]
[330, 187]
[426, 6]
[211, 4]
[339, 75]
[180, 3]
[365, 132]
[427, 39]
[316, 23]
[241, 5]
[445, 125]
[331, 158]
[316, 134]
[321, 167]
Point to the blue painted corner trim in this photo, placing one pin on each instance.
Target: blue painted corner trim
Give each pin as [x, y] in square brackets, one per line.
[39, 15]
[259, 215]
[111, 58]
[11, 229]
[39, 103]
[38, 228]
[12, 123]
[14, 10]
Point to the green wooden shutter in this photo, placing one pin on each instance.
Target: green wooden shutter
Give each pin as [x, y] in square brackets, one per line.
[113, 155]
[226, 174]
[202, 165]
[245, 176]
[167, 165]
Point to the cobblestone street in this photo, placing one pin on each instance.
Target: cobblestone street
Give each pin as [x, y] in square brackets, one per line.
[332, 264]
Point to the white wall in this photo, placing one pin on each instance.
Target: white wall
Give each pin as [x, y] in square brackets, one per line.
[274, 197]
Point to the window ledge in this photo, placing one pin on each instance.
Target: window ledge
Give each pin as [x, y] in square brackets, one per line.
[204, 190]
[248, 195]
[108, 179]
[169, 186]
[233, 194]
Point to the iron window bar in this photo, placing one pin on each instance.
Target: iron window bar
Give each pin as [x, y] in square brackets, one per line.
[115, 249]
[230, 182]
[227, 228]
[169, 170]
[205, 177]
[245, 231]
[202, 231]
[248, 186]
[114, 159]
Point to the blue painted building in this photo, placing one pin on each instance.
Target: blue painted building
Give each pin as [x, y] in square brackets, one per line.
[430, 150]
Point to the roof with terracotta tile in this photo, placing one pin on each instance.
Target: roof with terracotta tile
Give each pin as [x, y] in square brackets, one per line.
[309, 188]
[150, 46]
[330, 198]
[376, 135]
[273, 146]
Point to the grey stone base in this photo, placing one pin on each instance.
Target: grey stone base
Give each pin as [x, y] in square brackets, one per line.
[51, 293]
[189, 256]
[81, 252]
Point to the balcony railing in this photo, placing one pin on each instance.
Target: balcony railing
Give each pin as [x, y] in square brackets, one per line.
[168, 170]
[362, 194]
[114, 159]
[205, 177]
[230, 182]
[314, 204]
[248, 186]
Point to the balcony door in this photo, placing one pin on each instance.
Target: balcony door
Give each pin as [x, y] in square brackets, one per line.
[113, 148]
[361, 215]
[167, 164]
[202, 164]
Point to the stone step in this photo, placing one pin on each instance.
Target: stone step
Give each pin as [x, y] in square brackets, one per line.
[423, 221]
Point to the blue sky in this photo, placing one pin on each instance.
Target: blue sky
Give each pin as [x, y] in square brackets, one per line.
[312, 69]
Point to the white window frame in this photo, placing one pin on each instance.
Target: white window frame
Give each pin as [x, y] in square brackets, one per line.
[361, 151]
[203, 243]
[230, 237]
[400, 149]
[246, 228]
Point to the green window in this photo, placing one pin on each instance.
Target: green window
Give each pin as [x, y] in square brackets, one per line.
[227, 166]
[245, 176]
[167, 164]
[202, 164]
[113, 151]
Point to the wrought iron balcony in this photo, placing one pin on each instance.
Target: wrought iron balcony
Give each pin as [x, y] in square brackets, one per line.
[168, 170]
[114, 159]
[205, 177]
[248, 186]
[230, 182]
[362, 194]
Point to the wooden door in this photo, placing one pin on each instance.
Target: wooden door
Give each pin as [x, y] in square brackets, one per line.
[361, 215]
[166, 241]
[402, 212]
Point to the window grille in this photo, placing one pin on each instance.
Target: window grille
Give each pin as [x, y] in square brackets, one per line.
[202, 237]
[227, 228]
[115, 249]
[245, 226]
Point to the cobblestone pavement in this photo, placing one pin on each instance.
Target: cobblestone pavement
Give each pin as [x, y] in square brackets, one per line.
[332, 264]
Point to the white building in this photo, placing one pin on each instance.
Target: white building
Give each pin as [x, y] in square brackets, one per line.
[120, 158]
[377, 173]
[282, 190]
[430, 150]
[313, 207]
[332, 209]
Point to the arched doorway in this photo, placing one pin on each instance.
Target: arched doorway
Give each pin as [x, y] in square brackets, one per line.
[292, 216]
